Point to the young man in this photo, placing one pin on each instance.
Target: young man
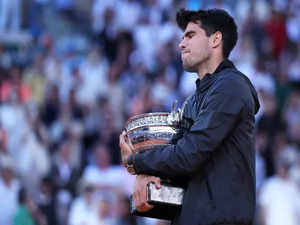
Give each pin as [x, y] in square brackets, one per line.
[215, 155]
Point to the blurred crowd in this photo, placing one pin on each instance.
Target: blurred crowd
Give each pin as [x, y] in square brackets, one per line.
[89, 65]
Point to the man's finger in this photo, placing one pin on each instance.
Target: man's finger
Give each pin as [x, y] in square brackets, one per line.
[140, 191]
[129, 141]
[142, 204]
[140, 197]
[157, 182]
[144, 207]
[121, 139]
[123, 145]
[139, 201]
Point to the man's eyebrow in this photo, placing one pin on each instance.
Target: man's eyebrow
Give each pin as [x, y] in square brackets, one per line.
[188, 33]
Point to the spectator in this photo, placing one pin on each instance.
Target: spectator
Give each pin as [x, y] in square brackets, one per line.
[83, 208]
[28, 212]
[66, 168]
[9, 188]
[105, 212]
[46, 201]
[124, 8]
[93, 73]
[276, 29]
[23, 215]
[291, 115]
[260, 167]
[279, 193]
[102, 14]
[50, 108]
[123, 216]
[107, 177]
[3, 139]
[294, 69]
[33, 161]
[35, 79]
[14, 88]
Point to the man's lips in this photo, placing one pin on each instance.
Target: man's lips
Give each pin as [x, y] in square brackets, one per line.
[185, 52]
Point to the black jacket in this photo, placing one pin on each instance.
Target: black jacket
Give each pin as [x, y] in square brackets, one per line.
[216, 153]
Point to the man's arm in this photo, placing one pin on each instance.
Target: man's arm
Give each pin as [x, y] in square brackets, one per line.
[214, 123]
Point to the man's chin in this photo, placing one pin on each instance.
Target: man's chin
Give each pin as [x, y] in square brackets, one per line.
[189, 68]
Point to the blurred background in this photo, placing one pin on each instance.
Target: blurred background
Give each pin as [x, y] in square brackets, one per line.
[73, 71]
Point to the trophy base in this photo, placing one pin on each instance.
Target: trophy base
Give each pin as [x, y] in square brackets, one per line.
[167, 201]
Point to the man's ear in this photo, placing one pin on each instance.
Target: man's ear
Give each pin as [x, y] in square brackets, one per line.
[216, 39]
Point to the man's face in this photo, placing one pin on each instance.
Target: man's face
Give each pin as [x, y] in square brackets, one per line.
[194, 47]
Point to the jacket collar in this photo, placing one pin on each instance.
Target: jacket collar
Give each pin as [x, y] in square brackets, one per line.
[208, 79]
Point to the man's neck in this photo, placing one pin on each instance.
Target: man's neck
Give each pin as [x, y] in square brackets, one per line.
[209, 66]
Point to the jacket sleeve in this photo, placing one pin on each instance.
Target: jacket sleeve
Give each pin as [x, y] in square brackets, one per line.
[214, 122]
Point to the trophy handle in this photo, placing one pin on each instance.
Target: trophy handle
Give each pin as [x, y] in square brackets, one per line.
[175, 116]
[174, 107]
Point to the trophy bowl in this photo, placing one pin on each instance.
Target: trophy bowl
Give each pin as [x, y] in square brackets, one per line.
[147, 131]
[150, 130]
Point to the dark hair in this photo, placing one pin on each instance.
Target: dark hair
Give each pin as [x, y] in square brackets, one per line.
[211, 20]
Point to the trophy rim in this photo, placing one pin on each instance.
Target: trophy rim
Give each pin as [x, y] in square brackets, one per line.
[145, 115]
[143, 148]
[143, 126]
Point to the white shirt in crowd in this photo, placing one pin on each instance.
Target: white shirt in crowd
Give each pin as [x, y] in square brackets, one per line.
[8, 201]
[113, 176]
[83, 213]
[280, 200]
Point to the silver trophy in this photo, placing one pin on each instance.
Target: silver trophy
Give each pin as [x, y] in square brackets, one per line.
[147, 131]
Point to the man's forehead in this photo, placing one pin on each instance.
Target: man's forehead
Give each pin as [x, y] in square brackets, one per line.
[192, 27]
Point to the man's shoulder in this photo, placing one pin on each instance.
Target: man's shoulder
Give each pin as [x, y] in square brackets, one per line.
[231, 74]
[233, 81]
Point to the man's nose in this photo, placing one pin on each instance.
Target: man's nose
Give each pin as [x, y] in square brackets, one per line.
[181, 45]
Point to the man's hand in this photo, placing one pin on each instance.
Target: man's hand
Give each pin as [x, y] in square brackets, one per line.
[140, 191]
[126, 147]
